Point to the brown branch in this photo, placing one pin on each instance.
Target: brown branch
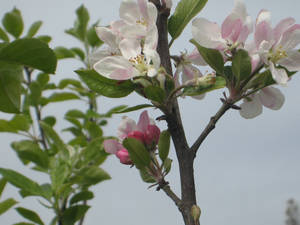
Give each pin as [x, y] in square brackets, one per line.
[173, 196]
[210, 126]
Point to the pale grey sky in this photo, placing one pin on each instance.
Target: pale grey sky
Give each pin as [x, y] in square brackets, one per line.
[246, 169]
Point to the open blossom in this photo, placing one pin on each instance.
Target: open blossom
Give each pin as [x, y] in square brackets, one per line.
[277, 46]
[132, 43]
[145, 131]
[167, 3]
[233, 32]
[187, 70]
[269, 97]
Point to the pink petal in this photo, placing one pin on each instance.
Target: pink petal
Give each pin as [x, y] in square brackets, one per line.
[271, 98]
[124, 157]
[112, 146]
[263, 32]
[196, 58]
[281, 27]
[143, 121]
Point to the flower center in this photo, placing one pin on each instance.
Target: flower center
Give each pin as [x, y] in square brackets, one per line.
[139, 63]
[142, 21]
[277, 55]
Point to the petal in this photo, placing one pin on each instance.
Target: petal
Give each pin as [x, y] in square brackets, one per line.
[143, 121]
[279, 75]
[207, 34]
[152, 58]
[263, 51]
[263, 16]
[143, 8]
[112, 146]
[189, 73]
[152, 14]
[130, 48]
[251, 109]
[263, 32]
[271, 98]
[107, 36]
[290, 38]
[135, 31]
[116, 27]
[178, 71]
[196, 58]
[151, 39]
[198, 97]
[282, 26]
[292, 61]
[126, 126]
[129, 11]
[98, 55]
[109, 65]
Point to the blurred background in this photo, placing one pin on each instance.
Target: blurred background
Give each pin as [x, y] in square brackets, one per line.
[245, 171]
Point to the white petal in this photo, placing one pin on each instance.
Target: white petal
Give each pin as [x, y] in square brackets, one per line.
[263, 51]
[263, 16]
[135, 31]
[282, 26]
[196, 58]
[152, 58]
[126, 126]
[151, 39]
[107, 36]
[152, 14]
[130, 48]
[271, 98]
[129, 11]
[251, 109]
[207, 34]
[189, 73]
[290, 38]
[99, 55]
[112, 146]
[292, 61]
[112, 64]
[279, 75]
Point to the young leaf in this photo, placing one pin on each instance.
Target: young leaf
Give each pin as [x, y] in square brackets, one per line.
[34, 28]
[44, 38]
[23, 223]
[6, 205]
[104, 86]
[146, 177]
[155, 93]
[211, 56]
[81, 196]
[30, 52]
[13, 23]
[92, 175]
[3, 35]
[22, 182]
[92, 37]
[79, 53]
[241, 65]
[184, 12]
[59, 173]
[63, 53]
[134, 108]
[167, 165]
[30, 215]
[10, 87]
[73, 214]
[164, 145]
[2, 185]
[62, 96]
[138, 153]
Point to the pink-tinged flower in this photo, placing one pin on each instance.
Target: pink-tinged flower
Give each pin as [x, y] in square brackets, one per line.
[137, 18]
[137, 59]
[124, 157]
[113, 146]
[269, 97]
[187, 70]
[277, 46]
[232, 34]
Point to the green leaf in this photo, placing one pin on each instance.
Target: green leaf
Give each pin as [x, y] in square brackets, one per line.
[79, 53]
[211, 56]
[44, 38]
[205, 86]
[50, 120]
[34, 28]
[167, 165]
[35, 93]
[10, 87]
[42, 79]
[59, 173]
[155, 93]
[3, 35]
[6, 205]
[75, 113]
[92, 175]
[81, 196]
[30, 215]
[184, 12]
[73, 214]
[72, 82]
[63, 96]
[30, 151]
[2, 185]
[134, 108]
[17, 123]
[57, 141]
[13, 23]
[164, 145]
[22, 182]
[63, 53]
[80, 26]
[146, 177]
[94, 153]
[138, 153]
[94, 130]
[241, 65]
[104, 86]
[23, 223]
[30, 52]
[92, 37]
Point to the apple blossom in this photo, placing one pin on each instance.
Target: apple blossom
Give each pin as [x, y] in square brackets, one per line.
[269, 97]
[276, 46]
[167, 3]
[232, 34]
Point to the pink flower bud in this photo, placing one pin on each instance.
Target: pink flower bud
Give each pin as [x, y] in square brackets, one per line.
[152, 135]
[123, 155]
[137, 135]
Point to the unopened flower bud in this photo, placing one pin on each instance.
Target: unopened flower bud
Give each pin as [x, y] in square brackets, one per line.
[123, 155]
[152, 135]
[137, 135]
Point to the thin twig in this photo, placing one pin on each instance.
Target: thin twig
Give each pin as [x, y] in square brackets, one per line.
[173, 196]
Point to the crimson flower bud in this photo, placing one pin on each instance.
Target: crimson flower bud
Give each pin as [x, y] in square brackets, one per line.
[152, 135]
[137, 135]
[123, 155]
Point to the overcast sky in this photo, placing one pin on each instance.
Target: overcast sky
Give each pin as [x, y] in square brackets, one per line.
[245, 171]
